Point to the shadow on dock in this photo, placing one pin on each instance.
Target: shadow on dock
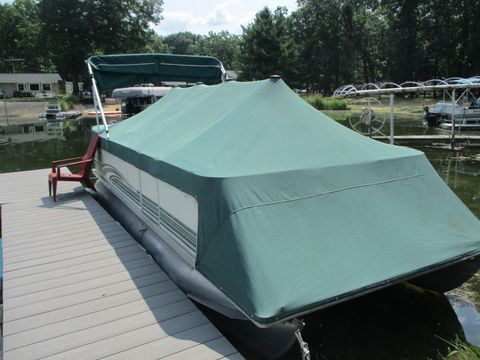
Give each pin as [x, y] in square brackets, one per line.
[152, 316]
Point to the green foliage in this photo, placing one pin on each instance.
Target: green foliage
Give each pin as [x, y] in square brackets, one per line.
[75, 29]
[461, 350]
[71, 98]
[20, 38]
[267, 47]
[181, 42]
[67, 101]
[326, 103]
[222, 45]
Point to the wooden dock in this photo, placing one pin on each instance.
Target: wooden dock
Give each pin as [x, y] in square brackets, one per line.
[460, 140]
[78, 286]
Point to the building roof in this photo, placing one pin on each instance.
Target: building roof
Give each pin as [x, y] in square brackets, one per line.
[29, 78]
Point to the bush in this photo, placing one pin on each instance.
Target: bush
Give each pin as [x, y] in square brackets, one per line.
[67, 101]
[72, 98]
[326, 103]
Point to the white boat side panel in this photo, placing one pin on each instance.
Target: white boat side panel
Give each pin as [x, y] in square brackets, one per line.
[181, 205]
[148, 185]
[130, 172]
[170, 212]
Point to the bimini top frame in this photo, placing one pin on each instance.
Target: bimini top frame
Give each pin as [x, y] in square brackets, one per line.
[109, 72]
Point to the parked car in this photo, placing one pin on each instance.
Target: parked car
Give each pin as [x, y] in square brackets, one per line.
[22, 94]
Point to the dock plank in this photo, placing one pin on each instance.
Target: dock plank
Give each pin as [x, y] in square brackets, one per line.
[78, 286]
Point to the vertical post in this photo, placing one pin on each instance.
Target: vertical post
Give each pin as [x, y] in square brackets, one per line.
[452, 139]
[6, 114]
[97, 101]
[369, 113]
[392, 124]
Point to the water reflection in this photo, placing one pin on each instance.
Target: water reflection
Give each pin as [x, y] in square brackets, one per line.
[35, 145]
[461, 171]
[469, 317]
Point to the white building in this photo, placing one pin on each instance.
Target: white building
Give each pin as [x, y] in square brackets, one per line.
[36, 83]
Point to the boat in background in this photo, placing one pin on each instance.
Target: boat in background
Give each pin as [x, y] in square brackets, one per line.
[53, 112]
[466, 116]
[138, 97]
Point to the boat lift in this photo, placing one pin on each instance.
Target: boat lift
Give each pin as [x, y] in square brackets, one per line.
[390, 88]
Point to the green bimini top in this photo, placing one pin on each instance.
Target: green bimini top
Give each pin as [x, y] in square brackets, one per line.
[115, 71]
[296, 211]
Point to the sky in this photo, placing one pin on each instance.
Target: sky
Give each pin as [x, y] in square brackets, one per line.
[200, 17]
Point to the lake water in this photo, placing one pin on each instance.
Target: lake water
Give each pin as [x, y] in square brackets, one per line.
[397, 322]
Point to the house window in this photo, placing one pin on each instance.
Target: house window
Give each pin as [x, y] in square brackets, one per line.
[21, 87]
[34, 87]
[46, 87]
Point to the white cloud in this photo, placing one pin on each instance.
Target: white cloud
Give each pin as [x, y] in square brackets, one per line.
[179, 21]
[212, 15]
[221, 15]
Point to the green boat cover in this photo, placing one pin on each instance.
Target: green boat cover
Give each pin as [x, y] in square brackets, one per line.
[115, 71]
[296, 211]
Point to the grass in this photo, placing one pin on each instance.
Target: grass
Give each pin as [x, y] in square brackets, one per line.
[326, 103]
[26, 100]
[340, 109]
[402, 105]
[461, 350]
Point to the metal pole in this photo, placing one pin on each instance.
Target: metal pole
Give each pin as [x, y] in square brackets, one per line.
[369, 119]
[392, 124]
[97, 101]
[6, 114]
[96, 113]
[453, 119]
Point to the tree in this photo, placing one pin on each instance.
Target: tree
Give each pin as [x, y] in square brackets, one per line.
[267, 47]
[362, 41]
[181, 42]
[318, 28]
[156, 44]
[123, 25]
[223, 45]
[469, 37]
[76, 29]
[402, 53]
[20, 38]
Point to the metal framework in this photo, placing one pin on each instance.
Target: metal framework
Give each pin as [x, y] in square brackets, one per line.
[391, 88]
[407, 87]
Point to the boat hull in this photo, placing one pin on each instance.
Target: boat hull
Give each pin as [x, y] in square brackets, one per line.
[450, 277]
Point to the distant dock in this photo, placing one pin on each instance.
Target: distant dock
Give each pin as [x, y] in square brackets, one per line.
[78, 286]
[460, 140]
